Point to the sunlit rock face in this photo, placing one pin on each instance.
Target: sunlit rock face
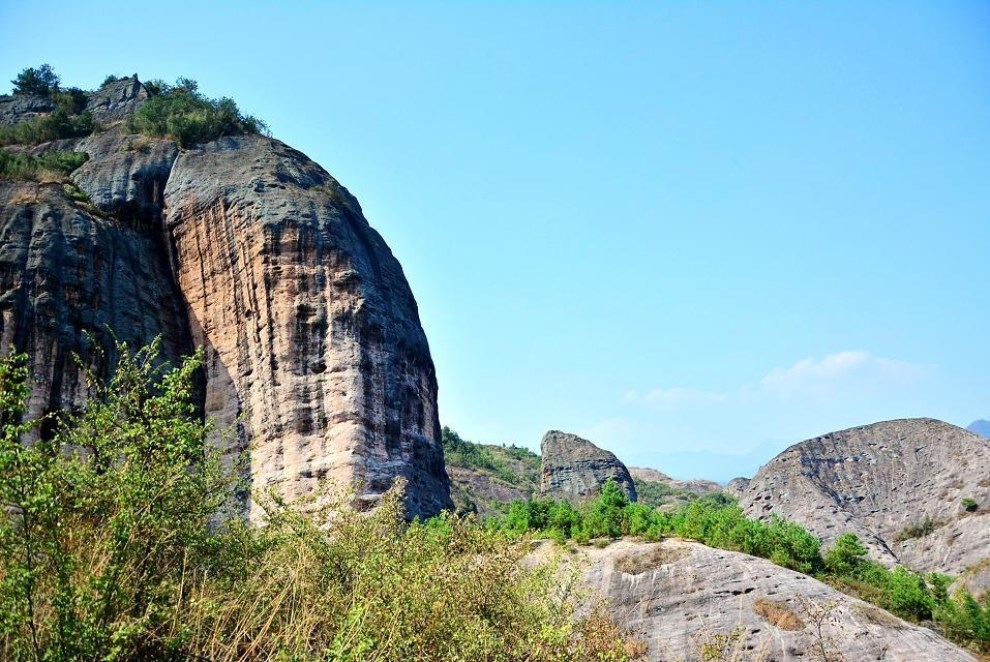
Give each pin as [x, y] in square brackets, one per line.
[916, 492]
[574, 469]
[316, 363]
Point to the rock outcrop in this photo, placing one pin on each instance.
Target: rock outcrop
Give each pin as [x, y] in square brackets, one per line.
[916, 491]
[315, 356]
[683, 600]
[737, 486]
[574, 469]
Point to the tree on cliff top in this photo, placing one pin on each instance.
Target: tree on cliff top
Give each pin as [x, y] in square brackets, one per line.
[41, 81]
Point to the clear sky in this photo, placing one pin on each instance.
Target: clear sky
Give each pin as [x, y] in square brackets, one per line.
[693, 232]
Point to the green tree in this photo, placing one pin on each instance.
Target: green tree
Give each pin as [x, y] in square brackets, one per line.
[41, 81]
[846, 556]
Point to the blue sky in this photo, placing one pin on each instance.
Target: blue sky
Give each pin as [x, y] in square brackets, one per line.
[693, 232]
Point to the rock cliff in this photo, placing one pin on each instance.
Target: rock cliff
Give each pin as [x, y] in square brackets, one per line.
[916, 491]
[574, 469]
[686, 601]
[316, 359]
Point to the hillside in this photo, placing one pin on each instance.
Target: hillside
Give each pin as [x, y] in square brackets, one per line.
[916, 492]
[485, 478]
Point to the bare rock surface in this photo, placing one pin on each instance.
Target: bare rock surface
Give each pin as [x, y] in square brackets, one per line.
[574, 469]
[313, 336]
[71, 281]
[902, 486]
[15, 108]
[737, 486]
[315, 353]
[684, 599]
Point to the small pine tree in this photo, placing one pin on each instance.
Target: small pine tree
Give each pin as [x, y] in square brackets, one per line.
[41, 81]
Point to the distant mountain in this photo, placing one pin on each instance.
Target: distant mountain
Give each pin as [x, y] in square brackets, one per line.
[915, 491]
[980, 427]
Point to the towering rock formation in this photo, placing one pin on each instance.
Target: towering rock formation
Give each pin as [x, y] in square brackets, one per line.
[916, 491]
[315, 356]
[575, 469]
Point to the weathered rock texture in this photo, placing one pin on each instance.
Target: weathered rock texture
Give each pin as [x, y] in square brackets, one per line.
[678, 596]
[574, 469]
[878, 481]
[737, 486]
[315, 354]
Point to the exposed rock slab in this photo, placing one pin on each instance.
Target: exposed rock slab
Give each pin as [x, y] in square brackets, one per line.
[574, 469]
[878, 481]
[678, 596]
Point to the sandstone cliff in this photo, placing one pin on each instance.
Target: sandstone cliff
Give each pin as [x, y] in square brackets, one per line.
[316, 358]
[916, 491]
[574, 469]
[686, 601]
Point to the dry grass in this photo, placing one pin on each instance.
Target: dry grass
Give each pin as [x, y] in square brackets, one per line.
[658, 555]
[778, 614]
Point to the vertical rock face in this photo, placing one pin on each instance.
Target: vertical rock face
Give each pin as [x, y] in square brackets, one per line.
[316, 358]
[916, 491]
[313, 337]
[71, 282]
[574, 469]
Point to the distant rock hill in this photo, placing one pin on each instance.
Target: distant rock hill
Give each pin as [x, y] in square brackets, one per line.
[916, 491]
[657, 488]
[980, 427]
[316, 361]
[574, 469]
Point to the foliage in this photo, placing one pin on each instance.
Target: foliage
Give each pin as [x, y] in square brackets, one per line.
[512, 464]
[41, 81]
[59, 124]
[111, 548]
[47, 166]
[183, 113]
[970, 505]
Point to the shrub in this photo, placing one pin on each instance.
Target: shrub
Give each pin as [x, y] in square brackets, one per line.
[846, 556]
[970, 505]
[111, 547]
[918, 529]
[47, 166]
[41, 81]
[59, 124]
[181, 112]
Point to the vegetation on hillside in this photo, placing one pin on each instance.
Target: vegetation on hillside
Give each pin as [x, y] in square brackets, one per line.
[67, 120]
[50, 166]
[111, 548]
[513, 466]
[718, 521]
[181, 112]
[657, 493]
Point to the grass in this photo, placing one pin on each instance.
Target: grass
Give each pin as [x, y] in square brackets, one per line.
[778, 614]
[918, 529]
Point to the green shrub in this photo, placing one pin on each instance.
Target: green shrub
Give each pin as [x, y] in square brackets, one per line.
[50, 165]
[59, 124]
[182, 113]
[847, 555]
[970, 505]
[918, 529]
[111, 548]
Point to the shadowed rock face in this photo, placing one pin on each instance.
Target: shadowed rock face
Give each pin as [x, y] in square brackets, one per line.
[574, 469]
[899, 485]
[315, 356]
[677, 596]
